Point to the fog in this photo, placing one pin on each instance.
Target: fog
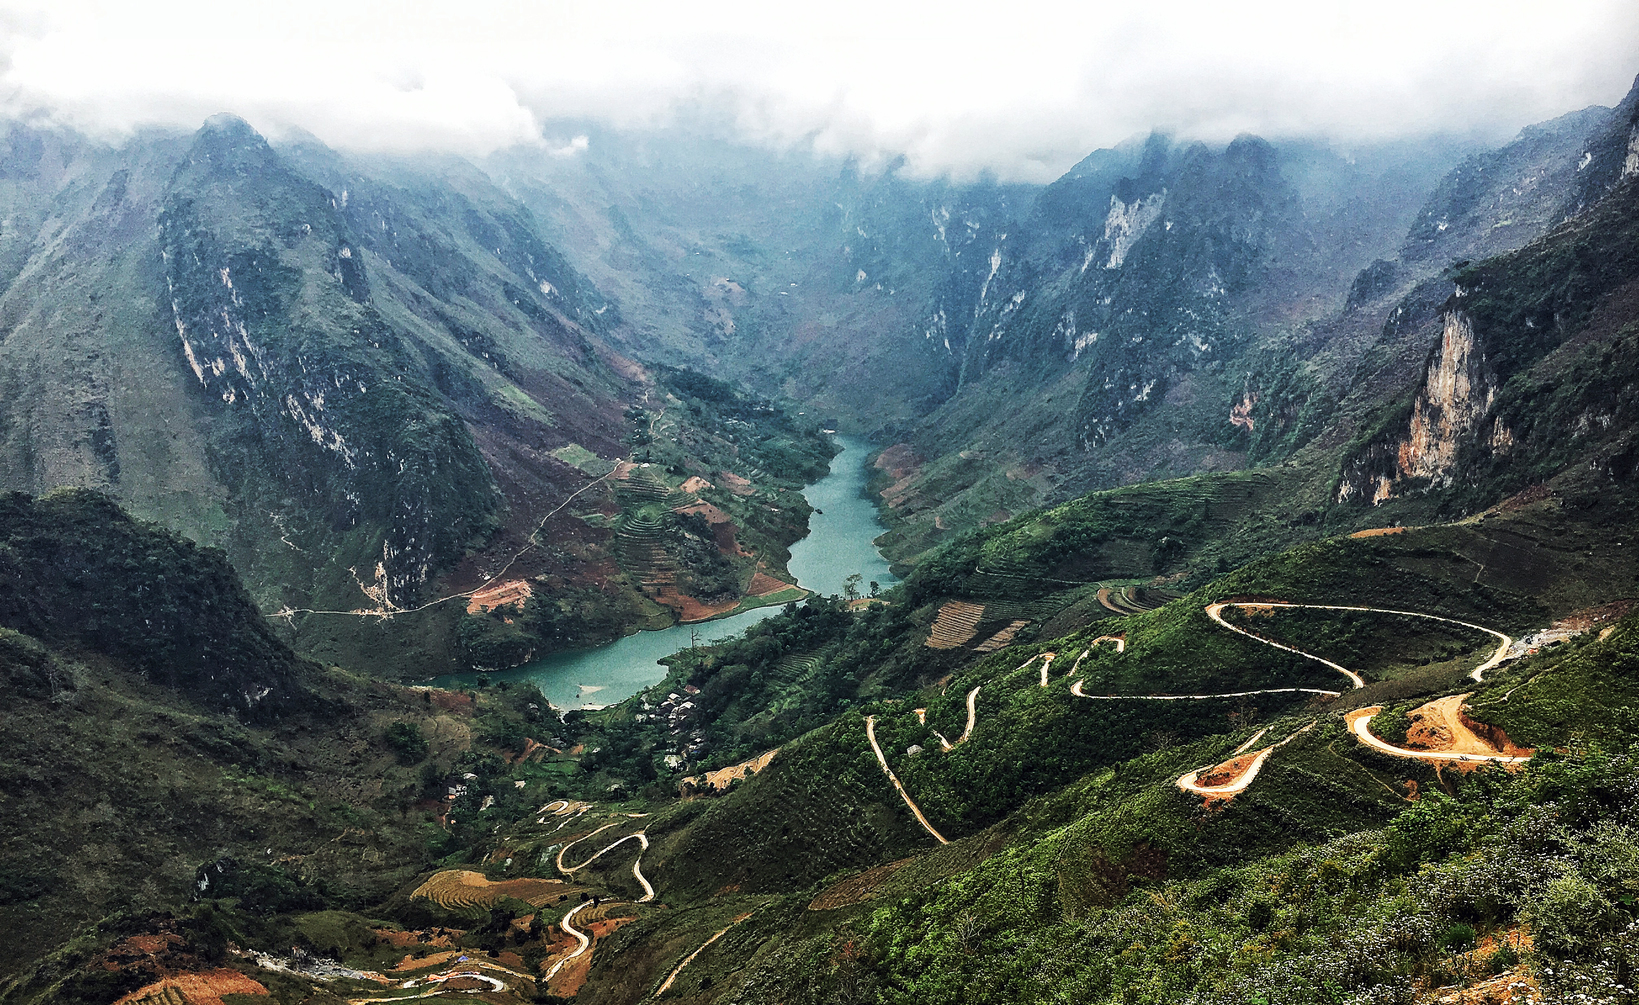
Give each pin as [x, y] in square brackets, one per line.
[1020, 90]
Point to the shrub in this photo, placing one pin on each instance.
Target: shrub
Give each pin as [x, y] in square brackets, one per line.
[404, 739]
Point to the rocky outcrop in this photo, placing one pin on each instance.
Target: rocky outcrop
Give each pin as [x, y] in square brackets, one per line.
[1451, 407]
[1457, 391]
[1126, 223]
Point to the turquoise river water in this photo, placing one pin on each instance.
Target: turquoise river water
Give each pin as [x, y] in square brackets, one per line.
[838, 545]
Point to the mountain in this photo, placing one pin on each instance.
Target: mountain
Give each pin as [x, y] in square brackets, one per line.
[373, 388]
[1179, 311]
[1267, 633]
[156, 726]
[803, 276]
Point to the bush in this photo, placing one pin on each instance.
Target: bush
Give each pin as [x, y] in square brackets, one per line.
[404, 739]
[1458, 938]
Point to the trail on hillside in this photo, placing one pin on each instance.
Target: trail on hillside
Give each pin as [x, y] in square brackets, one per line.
[389, 610]
[870, 734]
[666, 985]
[580, 950]
[1241, 769]
[1214, 611]
[637, 864]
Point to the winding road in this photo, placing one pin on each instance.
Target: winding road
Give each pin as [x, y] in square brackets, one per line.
[637, 863]
[1214, 611]
[580, 950]
[1360, 722]
[1189, 782]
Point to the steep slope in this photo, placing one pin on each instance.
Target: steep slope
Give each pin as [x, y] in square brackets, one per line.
[1533, 373]
[799, 274]
[1175, 311]
[76, 571]
[195, 327]
[155, 725]
[375, 386]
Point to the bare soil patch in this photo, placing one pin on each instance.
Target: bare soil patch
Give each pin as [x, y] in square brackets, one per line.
[195, 989]
[955, 625]
[502, 594]
[763, 585]
[899, 461]
[721, 778]
[735, 484]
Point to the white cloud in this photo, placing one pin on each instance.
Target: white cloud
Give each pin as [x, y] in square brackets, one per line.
[1023, 89]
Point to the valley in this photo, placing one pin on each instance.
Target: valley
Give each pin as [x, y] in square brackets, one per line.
[693, 571]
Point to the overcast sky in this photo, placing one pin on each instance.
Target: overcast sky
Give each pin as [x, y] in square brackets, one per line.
[1022, 88]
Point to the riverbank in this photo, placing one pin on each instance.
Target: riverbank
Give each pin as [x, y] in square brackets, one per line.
[839, 544]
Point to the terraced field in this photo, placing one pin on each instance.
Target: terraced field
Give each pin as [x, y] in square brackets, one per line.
[955, 625]
[1125, 600]
[463, 890]
[796, 666]
[1001, 638]
[639, 551]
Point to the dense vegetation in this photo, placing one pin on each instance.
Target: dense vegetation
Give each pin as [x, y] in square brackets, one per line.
[77, 571]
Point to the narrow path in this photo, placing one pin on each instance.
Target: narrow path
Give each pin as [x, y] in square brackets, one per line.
[1243, 748]
[1478, 673]
[388, 610]
[870, 734]
[637, 864]
[1188, 781]
[1075, 689]
[690, 958]
[585, 941]
[972, 713]
[565, 870]
[1215, 612]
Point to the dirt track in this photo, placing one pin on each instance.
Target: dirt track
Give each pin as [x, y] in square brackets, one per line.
[870, 734]
[1214, 611]
[1242, 769]
[1464, 744]
[584, 939]
[1239, 771]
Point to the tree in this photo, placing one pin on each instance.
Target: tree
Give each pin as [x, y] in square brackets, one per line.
[850, 586]
[876, 588]
[404, 739]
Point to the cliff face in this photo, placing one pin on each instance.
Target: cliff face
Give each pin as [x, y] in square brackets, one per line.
[272, 306]
[349, 401]
[1452, 401]
[1534, 372]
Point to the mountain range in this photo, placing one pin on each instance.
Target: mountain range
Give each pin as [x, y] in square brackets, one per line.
[1267, 630]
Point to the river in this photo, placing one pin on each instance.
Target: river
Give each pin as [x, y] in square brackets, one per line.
[838, 545]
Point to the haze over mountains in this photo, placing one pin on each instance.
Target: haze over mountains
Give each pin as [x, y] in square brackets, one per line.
[1264, 505]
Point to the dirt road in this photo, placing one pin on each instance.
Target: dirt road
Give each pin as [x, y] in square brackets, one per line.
[870, 734]
[584, 939]
[1214, 611]
[1465, 745]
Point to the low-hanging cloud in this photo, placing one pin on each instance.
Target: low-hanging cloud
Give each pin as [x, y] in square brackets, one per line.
[1021, 90]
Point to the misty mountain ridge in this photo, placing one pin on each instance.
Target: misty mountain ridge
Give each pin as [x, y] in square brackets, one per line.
[1265, 515]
